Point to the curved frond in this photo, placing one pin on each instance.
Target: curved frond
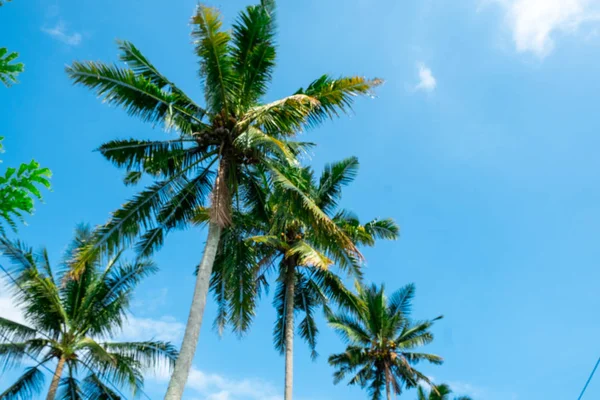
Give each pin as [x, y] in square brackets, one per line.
[333, 178]
[335, 96]
[27, 387]
[307, 255]
[138, 95]
[15, 331]
[95, 389]
[157, 158]
[216, 63]
[401, 301]
[254, 51]
[150, 354]
[281, 117]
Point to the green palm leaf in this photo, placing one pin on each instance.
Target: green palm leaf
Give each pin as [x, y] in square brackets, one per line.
[138, 95]
[216, 63]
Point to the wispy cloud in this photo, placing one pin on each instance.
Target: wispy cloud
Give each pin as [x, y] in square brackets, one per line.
[164, 328]
[466, 389]
[212, 386]
[60, 33]
[427, 81]
[535, 24]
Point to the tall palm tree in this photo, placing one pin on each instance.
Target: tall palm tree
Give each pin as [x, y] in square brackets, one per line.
[381, 338]
[441, 392]
[277, 236]
[219, 146]
[69, 320]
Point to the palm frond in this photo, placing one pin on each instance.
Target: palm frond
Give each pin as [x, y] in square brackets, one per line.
[138, 95]
[141, 66]
[401, 301]
[320, 220]
[69, 388]
[307, 301]
[95, 389]
[349, 328]
[254, 51]
[333, 178]
[307, 255]
[216, 63]
[27, 387]
[281, 117]
[11, 355]
[150, 354]
[157, 158]
[15, 331]
[8, 68]
[335, 96]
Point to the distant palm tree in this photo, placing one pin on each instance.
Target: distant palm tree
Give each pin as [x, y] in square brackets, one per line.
[280, 237]
[381, 338]
[69, 320]
[438, 392]
[219, 145]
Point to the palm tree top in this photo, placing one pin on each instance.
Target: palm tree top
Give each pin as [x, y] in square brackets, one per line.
[71, 320]
[438, 392]
[221, 143]
[382, 338]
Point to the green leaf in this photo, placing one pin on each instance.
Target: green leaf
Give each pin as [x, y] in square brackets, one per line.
[216, 63]
[8, 69]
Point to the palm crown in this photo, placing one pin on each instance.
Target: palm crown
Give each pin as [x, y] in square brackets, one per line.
[232, 134]
[277, 234]
[68, 321]
[381, 339]
[220, 146]
[438, 392]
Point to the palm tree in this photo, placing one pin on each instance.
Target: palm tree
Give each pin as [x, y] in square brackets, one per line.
[441, 392]
[381, 338]
[219, 146]
[279, 237]
[68, 321]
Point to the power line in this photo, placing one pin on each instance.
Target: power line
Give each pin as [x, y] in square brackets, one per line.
[589, 379]
[48, 337]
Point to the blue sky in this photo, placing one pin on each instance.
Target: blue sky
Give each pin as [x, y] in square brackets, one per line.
[482, 144]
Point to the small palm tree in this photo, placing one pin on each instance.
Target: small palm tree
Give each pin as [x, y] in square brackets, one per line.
[438, 392]
[68, 321]
[220, 145]
[280, 237]
[381, 338]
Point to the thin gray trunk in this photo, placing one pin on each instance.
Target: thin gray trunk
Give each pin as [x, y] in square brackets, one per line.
[192, 330]
[56, 379]
[289, 330]
[387, 383]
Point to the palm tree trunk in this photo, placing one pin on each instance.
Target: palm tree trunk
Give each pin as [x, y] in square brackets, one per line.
[56, 379]
[387, 390]
[290, 282]
[388, 378]
[192, 330]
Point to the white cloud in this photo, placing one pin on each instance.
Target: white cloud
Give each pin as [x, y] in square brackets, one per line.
[535, 24]
[463, 388]
[166, 328]
[217, 387]
[427, 81]
[60, 33]
[8, 308]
